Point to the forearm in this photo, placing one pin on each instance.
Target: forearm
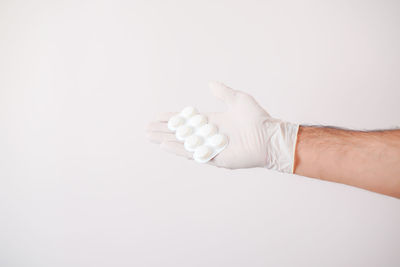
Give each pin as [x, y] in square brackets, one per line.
[369, 160]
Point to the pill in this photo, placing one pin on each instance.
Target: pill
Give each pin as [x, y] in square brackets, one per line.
[192, 142]
[208, 130]
[202, 152]
[218, 140]
[189, 112]
[198, 120]
[175, 121]
[199, 137]
[183, 131]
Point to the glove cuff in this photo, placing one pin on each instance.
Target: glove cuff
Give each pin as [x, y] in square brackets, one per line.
[281, 146]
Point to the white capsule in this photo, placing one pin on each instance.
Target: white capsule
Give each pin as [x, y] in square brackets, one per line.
[189, 112]
[192, 142]
[218, 140]
[202, 153]
[198, 120]
[174, 122]
[208, 130]
[183, 132]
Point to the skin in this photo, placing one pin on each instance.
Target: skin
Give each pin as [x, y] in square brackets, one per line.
[369, 160]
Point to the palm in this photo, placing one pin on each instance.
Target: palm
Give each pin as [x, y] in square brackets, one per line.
[243, 123]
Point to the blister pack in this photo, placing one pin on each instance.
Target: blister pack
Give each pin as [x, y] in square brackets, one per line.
[199, 136]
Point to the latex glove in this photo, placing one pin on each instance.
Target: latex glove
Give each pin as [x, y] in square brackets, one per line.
[255, 138]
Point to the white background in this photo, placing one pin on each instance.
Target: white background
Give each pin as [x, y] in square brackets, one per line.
[81, 186]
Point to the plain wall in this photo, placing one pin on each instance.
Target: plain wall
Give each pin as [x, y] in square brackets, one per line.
[81, 186]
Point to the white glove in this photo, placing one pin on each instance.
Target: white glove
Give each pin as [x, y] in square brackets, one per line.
[255, 138]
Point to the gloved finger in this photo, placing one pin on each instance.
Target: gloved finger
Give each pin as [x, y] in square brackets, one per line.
[176, 148]
[159, 137]
[164, 117]
[158, 127]
[222, 92]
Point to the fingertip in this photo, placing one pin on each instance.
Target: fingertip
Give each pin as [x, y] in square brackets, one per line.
[213, 84]
[222, 92]
[165, 116]
[149, 127]
[216, 86]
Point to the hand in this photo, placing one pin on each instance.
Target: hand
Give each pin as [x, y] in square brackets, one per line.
[255, 138]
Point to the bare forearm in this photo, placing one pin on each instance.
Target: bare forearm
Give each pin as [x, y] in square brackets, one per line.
[369, 160]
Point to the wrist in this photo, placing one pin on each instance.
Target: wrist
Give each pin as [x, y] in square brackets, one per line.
[281, 145]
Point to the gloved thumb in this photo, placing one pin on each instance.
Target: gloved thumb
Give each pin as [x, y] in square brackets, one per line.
[222, 92]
